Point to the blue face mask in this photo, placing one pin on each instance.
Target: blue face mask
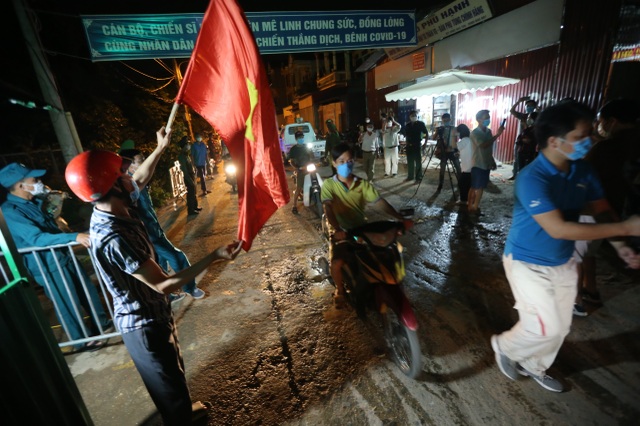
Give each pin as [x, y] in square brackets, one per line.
[300, 141]
[486, 122]
[580, 149]
[344, 170]
[530, 109]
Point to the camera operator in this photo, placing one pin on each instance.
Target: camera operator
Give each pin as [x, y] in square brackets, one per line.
[447, 148]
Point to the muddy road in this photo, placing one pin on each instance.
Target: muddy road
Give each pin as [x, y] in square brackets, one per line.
[267, 347]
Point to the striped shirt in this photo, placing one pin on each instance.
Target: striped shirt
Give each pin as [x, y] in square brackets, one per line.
[120, 245]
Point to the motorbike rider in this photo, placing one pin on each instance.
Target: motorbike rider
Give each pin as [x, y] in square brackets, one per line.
[299, 156]
[345, 197]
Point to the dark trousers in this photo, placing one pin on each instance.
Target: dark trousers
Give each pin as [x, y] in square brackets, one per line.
[192, 200]
[156, 354]
[414, 165]
[453, 159]
[464, 185]
[202, 173]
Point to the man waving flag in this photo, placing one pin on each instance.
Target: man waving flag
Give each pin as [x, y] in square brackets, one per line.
[226, 84]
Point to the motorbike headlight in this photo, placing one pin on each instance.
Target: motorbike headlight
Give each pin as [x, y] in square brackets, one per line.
[230, 169]
[310, 145]
[311, 168]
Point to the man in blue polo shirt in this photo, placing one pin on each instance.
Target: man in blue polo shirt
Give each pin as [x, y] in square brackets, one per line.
[550, 194]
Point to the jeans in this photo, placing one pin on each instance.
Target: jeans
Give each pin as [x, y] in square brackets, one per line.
[170, 254]
[453, 158]
[201, 172]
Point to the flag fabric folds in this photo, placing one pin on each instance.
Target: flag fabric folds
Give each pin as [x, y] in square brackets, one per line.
[227, 85]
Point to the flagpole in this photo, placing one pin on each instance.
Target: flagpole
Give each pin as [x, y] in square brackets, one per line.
[172, 117]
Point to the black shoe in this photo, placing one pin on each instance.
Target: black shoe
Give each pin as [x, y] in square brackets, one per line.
[198, 209]
[193, 213]
[294, 210]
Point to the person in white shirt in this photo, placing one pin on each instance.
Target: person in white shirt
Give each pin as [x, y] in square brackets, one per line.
[390, 143]
[466, 152]
[369, 141]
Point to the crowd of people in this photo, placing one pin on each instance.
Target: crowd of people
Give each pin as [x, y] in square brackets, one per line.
[144, 272]
[577, 184]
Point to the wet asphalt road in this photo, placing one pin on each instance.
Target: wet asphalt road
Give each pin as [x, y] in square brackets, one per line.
[266, 346]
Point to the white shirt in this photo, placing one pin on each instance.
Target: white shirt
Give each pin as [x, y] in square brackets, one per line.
[466, 152]
[390, 136]
[370, 141]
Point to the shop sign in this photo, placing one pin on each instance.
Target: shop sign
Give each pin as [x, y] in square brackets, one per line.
[418, 61]
[626, 53]
[453, 18]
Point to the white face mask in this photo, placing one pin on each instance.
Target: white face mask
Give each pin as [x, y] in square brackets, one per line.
[37, 188]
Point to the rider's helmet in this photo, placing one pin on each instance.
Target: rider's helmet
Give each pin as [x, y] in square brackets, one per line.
[91, 174]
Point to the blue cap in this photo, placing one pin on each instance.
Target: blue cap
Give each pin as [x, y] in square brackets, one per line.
[15, 172]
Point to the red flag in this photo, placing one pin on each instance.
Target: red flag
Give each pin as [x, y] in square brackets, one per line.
[227, 85]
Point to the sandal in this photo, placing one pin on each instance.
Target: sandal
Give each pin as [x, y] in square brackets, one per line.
[340, 300]
[93, 345]
[200, 410]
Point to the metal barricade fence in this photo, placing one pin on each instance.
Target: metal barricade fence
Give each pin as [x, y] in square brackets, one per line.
[79, 317]
[177, 184]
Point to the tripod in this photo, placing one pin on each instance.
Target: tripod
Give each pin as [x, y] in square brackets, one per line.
[446, 163]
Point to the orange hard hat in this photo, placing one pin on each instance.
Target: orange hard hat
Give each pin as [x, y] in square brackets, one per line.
[91, 174]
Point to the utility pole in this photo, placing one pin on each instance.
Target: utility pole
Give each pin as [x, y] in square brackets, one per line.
[61, 120]
[187, 114]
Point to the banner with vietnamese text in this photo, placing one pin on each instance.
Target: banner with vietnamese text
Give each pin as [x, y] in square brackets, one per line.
[128, 37]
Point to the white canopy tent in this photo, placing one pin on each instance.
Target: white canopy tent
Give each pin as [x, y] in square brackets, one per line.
[450, 82]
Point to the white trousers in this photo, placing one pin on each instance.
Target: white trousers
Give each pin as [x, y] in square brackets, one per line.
[391, 161]
[544, 298]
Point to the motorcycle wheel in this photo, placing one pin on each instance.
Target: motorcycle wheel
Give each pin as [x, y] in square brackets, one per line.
[317, 205]
[403, 344]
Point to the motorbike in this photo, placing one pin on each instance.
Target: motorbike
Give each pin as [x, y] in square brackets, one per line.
[374, 282]
[311, 188]
[231, 178]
